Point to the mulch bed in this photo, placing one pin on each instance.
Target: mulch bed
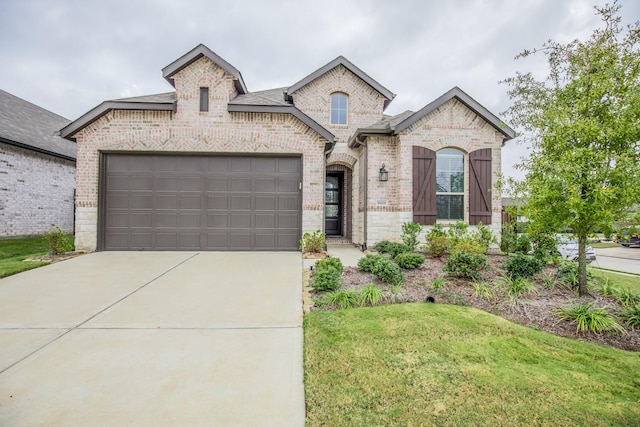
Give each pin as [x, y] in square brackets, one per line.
[533, 310]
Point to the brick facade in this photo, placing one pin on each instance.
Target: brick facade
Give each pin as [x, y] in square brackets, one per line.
[36, 192]
[190, 131]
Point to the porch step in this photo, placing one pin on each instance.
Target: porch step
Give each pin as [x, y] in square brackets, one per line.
[337, 241]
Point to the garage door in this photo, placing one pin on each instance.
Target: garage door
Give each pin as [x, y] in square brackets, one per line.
[171, 202]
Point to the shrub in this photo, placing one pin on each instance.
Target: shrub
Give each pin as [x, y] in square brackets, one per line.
[519, 265]
[328, 274]
[516, 287]
[409, 260]
[568, 273]
[469, 245]
[631, 316]
[545, 246]
[313, 242]
[508, 239]
[437, 242]
[410, 231]
[395, 249]
[58, 242]
[382, 267]
[382, 246]
[484, 236]
[368, 262]
[388, 272]
[464, 264]
[370, 295]
[523, 244]
[343, 299]
[588, 318]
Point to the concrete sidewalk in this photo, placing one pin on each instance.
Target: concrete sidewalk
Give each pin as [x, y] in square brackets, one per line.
[160, 339]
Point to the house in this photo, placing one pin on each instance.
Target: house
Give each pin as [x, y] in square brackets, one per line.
[213, 166]
[37, 170]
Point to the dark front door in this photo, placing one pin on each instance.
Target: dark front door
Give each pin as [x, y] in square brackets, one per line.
[333, 204]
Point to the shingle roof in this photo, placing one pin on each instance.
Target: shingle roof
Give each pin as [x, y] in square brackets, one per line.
[158, 102]
[263, 97]
[26, 125]
[341, 60]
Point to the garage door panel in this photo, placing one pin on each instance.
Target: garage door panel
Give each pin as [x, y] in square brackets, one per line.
[168, 202]
[266, 185]
[240, 220]
[189, 183]
[240, 203]
[289, 185]
[266, 203]
[240, 184]
[267, 220]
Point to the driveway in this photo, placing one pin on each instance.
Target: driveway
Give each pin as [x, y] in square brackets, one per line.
[154, 339]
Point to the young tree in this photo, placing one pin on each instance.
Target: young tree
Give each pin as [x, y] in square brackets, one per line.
[583, 122]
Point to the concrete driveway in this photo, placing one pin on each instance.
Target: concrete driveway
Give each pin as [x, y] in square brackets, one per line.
[154, 339]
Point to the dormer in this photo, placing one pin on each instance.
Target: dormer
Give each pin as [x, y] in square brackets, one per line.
[340, 97]
[204, 82]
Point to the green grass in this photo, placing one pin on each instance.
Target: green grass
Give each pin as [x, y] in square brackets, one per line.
[626, 281]
[604, 245]
[14, 251]
[442, 365]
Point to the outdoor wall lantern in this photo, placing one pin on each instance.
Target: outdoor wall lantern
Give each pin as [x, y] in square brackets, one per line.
[384, 175]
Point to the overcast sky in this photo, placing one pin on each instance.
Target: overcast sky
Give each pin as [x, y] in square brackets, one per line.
[69, 55]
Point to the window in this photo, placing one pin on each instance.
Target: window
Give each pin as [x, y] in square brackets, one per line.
[204, 99]
[339, 109]
[450, 185]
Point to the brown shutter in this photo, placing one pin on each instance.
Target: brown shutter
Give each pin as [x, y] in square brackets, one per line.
[424, 186]
[480, 187]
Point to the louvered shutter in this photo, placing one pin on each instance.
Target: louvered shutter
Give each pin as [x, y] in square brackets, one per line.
[424, 186]
[480, 187]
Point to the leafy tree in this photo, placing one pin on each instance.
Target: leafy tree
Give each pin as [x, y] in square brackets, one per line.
[583, 123]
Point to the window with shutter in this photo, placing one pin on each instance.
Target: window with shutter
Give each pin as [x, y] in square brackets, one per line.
[424, 186]
[480, 186]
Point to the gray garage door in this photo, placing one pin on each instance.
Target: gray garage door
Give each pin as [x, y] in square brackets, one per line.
[171, 202]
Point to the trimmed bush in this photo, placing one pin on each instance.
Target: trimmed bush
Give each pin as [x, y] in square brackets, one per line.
[519, 265]
[391, 248]
[437, 242]
[58, 242]
[328, 274]
[468, 245]
[368, 262]
[382, 246]
[409, 260]
[388, 272]
[464, 264]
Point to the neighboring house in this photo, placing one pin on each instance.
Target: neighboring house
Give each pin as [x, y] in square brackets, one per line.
[37, 170]
[212, 166]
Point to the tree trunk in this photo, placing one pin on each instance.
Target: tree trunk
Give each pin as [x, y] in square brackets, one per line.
[582, 265]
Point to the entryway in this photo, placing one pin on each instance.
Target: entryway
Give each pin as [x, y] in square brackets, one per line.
[333, 204]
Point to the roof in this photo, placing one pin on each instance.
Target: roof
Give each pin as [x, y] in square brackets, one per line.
[264, 97]
[157, 102]
[197, 53]
[28, 126]
[341, 60]
[396, 124]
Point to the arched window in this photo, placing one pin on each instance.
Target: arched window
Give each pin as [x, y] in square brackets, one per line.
[450, 185]
[339, 108]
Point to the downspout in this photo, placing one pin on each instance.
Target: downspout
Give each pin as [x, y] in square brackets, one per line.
[366, 195]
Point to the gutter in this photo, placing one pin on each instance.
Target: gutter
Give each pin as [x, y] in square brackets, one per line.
[37, 150]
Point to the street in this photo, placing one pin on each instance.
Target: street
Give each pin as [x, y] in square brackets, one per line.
[621, 259]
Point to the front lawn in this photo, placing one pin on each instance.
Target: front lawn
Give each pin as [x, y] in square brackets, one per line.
[13, 252]
[625, 280]
[435, 364]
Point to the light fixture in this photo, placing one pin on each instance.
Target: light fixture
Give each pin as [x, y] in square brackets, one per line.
[384, 175]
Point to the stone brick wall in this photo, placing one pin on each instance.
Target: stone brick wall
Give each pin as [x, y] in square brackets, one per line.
[191, 131]
[453, 125]
[364, 106]
[36, 192]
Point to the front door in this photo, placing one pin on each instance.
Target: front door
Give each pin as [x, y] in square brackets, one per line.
[333, 204]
